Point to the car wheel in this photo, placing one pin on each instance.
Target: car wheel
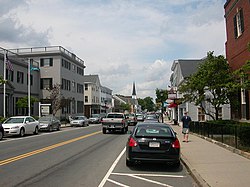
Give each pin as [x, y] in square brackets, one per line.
[1, 135]
[50, 128]
[36, 130]
[129, 163]
[22, 132]
[59, 128]
[104, 131]
[123, 130]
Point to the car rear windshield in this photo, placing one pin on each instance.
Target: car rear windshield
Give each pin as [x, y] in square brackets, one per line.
[151, 131]
[114, 116]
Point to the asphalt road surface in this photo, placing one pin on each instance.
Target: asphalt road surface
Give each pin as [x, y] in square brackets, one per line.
[80, 156]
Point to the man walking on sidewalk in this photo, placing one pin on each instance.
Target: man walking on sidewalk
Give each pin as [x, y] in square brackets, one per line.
[185, 126]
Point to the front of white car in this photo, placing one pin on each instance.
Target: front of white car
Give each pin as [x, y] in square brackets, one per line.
[79, 121]
[13, 125]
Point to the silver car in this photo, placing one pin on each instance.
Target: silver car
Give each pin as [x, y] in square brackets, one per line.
[81, 121]
[21, 125]
[49, 123]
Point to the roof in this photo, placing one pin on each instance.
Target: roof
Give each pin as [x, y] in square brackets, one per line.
[91, 78]
[189, 67]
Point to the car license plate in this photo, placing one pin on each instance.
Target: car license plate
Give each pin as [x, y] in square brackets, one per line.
[154, 144]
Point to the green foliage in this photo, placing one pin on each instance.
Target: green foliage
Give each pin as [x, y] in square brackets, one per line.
[161, 95]
[23, 102]
[147, 104]
[2, 80]
[213, 82]
[125, 106]
[2, 119]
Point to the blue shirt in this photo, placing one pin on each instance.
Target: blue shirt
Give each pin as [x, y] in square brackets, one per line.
[185, 121]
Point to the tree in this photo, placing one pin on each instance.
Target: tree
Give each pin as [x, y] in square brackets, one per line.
[213, 83]
[161, 97]
[125, 107]
[56, 99]
[23, 102]
[146, 103]
[2, 80]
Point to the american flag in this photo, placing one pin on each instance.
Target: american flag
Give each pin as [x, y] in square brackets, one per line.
[9, 65]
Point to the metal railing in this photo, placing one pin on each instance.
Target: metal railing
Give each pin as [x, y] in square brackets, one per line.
[231, 133]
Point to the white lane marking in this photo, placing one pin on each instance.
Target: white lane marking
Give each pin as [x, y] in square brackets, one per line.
[148, 180]
[149, 175]
[111, 168]
[117, 183]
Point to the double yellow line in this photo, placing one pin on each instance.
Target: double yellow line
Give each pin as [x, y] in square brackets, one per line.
[13, 159]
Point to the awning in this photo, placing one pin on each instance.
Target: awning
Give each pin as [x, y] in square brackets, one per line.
[172, 105]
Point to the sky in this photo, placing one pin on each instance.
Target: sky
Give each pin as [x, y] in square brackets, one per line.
[123, 41]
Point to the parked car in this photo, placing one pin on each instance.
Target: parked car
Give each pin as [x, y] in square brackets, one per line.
[81, 121]
[49, 123]
[1, 132]
[132, 120]
[153, 142]
[95, 118]
[21, 125]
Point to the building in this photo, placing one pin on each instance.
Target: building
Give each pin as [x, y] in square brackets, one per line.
[181, 70]
[58, 66]
[17, 85]
[237, 18]
[106, 100]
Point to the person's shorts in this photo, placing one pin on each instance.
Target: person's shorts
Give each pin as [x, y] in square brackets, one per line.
[185, 130]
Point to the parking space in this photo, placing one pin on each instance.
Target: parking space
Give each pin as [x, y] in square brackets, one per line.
[147, 175]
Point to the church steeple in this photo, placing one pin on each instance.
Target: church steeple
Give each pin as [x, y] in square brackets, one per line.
[133, 91]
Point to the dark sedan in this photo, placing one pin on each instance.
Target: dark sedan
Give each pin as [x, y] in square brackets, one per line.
[153, 142]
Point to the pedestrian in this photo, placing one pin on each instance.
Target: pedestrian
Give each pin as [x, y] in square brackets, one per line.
[185, 126]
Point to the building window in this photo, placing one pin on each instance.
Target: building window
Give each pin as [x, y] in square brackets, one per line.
[86, 86]
[73, 86]
[9, 75]
[80, 106]
[80, 71]
[46, 83]
[79, 88]
[46, 62]
[20, 77]
[238, 24]
[66, 84]
[86, 99]
[66, 64]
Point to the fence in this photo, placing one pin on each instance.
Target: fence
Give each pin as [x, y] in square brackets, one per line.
[230, 133]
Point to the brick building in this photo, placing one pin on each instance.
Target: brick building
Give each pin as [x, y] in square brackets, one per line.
[237, 17]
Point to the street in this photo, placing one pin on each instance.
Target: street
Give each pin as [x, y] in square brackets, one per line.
[79, 157]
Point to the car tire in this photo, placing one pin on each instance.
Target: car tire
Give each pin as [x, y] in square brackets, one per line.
[58, 128]
[1, 135]
[104, 131]
[129, 163]
[50, 128]
[36, 131]
[22, 132]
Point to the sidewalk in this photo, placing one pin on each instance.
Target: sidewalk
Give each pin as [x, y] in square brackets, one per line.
[211, 164]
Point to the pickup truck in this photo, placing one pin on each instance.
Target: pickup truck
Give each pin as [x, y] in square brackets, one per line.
[115, 121]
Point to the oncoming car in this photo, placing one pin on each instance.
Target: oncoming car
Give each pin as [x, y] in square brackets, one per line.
[21, 125]
[153, 142]
[81, 121]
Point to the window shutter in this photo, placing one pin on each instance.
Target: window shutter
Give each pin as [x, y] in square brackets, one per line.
[51, 62]
[241, 20]
[235, 27]
[41, 83]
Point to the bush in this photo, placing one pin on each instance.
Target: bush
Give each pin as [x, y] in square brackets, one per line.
[244, 135]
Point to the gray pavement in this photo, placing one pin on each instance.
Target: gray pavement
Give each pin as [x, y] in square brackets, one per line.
[211, 164]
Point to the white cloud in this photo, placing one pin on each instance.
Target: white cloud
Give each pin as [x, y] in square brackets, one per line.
[122, 41]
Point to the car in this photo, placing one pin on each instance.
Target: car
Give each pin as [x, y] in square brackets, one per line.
[95, 118]
[140, 117]
[153, 142]
[132, 120]
[81, 121]
[49, 123]
[21, 125]
[151, 117]
[1, 132]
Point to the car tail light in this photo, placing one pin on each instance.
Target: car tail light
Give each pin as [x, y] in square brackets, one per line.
[176, 144]
[132, 142]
